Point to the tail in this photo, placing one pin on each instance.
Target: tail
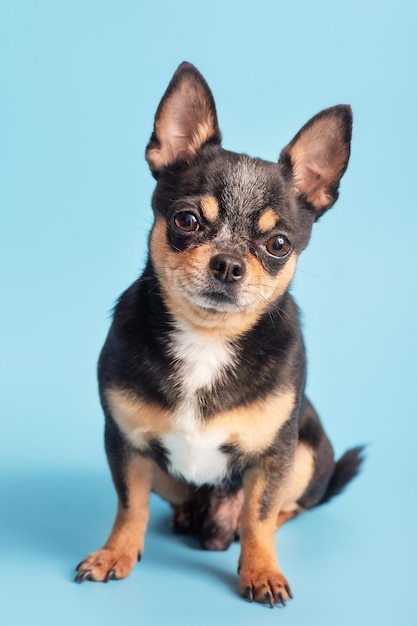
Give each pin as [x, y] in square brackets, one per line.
[346, 468]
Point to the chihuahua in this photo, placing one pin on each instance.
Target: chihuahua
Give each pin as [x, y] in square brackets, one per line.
[202, 374]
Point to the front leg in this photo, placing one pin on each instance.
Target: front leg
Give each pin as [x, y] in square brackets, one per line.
[264, 484]
[132, 476]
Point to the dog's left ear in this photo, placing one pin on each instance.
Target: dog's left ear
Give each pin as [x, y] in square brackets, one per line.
[185, 120]
[318, 155]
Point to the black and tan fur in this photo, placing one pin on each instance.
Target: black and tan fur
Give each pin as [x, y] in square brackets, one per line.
[203, 371]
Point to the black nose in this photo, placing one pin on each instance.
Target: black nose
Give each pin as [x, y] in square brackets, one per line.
[227, 268]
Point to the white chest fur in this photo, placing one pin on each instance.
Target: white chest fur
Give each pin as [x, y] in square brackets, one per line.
[201, 359]
[197, 457]
[194, 451]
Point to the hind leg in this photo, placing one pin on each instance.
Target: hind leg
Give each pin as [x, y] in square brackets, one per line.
[313, 467]
[298, 483]
[286, 517]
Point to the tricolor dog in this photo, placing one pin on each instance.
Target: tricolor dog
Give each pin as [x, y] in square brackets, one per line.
[202, 374]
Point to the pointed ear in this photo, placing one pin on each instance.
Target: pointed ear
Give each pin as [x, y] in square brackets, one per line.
[318, 156]
[185, 120]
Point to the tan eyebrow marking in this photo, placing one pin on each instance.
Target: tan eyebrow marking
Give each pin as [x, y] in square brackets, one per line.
[210, 208]
[267, 220]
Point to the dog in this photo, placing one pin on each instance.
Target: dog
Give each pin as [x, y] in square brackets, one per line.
[202, 374]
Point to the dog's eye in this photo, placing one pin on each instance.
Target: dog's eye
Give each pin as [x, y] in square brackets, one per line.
[186, 222]
[278, 246]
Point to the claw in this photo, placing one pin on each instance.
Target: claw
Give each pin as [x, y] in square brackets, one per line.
[268, 598]
[78, 566]
[111, 575]
[288, 590]
[281, 599]
[249, 594]
[83, 575]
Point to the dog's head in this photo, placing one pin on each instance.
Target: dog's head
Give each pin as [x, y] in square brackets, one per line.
[229, 228]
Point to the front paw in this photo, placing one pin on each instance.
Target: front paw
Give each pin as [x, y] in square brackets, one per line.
[266, 585]
[105, 565]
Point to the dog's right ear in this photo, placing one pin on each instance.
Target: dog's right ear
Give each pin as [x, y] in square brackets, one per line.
[185, 120]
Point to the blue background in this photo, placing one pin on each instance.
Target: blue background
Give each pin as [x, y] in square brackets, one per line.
[80, 82]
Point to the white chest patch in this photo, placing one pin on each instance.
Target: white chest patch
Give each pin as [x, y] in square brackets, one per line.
[202, 359]
[197, 458]
[194, 454]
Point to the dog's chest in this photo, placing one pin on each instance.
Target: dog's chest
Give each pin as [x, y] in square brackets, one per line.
[200, 360]
[194, 451]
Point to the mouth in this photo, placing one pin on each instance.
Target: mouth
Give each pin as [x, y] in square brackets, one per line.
[214, 301]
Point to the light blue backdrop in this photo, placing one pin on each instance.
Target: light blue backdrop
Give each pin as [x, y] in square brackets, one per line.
[80, 81]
